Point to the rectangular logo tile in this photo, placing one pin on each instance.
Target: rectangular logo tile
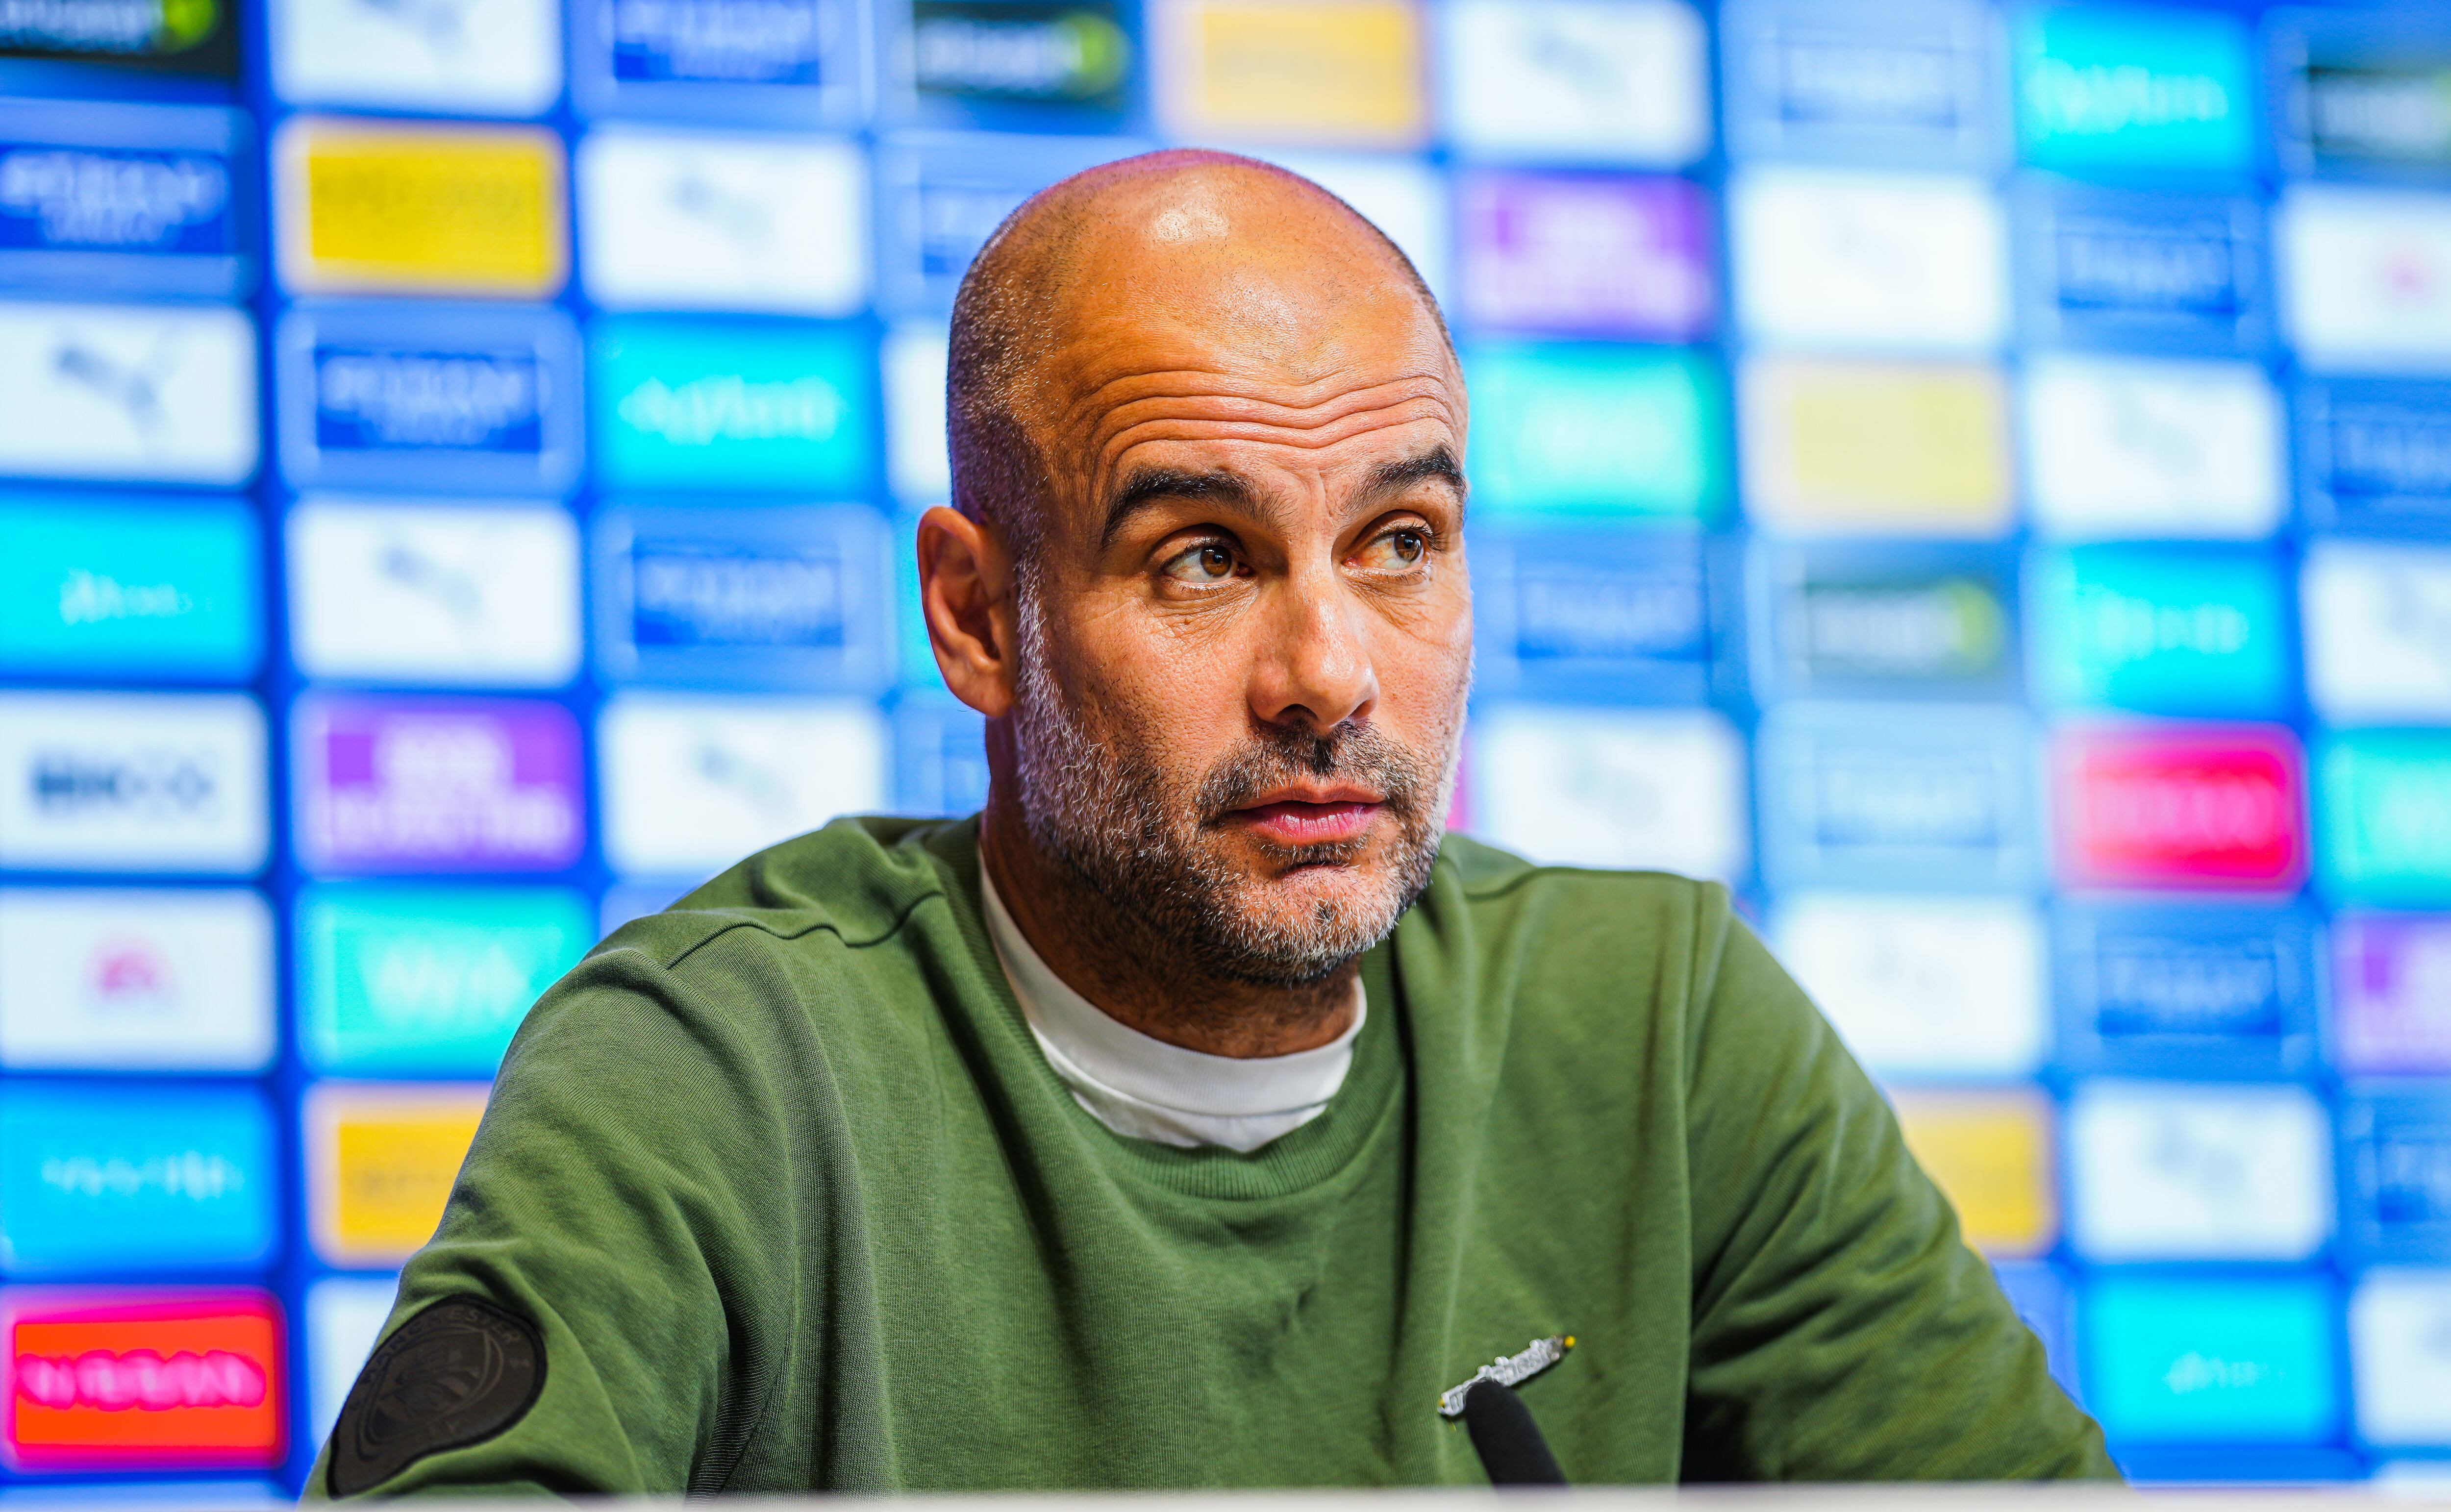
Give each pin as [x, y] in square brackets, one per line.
[2365, 277]
[137, 199]
[1325, 72]
[2218, 807]
[152, 782]
[1837, 448]
[769, 61]
[1866, 82]
[2362, 91]
[1885, 621]
[2396, 1168]
[1576, 614]
[1923, 987]
[1600, 254]
[2391, 994]
[142, 392]
[427, 981]
[775, 598]
[2399, 1337]
[121, 587]
[1990, 1154]
[970, 59]
[2378, 630]
[940, 196]
[1589, 429]
[2162, 629]
[381, 1158]
[123, 980]
[940, 757]
[345, 1319]
[675, 221]
[2186, 990]
[1897, 795]
[2229, 1361]
[2107, 87]
[2120, 448]
[136, 1176]
[2375, 454]
[2174, 1170]
[1876, 261]
[389, 785]
[454, 399]
[2176, 271]
[1562, 82]
[452, 593]
[489, 57]
[372, 207]
[153, 37]
[2384, 815]
[693, 784]
[1661, 790]
[713, 407]
[142, 1377]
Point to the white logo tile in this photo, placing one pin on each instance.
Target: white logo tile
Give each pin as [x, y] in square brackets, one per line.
[2179, 1171]
[2119, 448]
[1588, 787]
[112, 782]
[915, 460]
[154, 393]
[384, 592]
[716, 222]
[2365, 277]
[2399, 1337]
[120, 979]
[693, 784]
[1576, 80]
[1896, 261]
[2378, 633]
[487, 57]
[1943, 987]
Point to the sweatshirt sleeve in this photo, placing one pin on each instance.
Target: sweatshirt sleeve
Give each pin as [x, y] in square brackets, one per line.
[601, 1307]
[1842, 1330]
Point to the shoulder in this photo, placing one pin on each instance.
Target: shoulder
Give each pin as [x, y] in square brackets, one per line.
[1503, 899]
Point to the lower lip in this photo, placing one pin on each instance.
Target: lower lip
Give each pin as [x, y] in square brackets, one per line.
[1310, 824]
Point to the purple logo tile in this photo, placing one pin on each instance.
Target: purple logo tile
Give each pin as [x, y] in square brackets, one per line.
[1603, 254]
[2391, 999]
[437, 785]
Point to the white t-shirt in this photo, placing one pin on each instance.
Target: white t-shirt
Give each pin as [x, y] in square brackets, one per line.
[1143, 1088]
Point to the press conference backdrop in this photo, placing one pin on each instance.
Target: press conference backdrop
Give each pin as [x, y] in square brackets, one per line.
[1977, 480]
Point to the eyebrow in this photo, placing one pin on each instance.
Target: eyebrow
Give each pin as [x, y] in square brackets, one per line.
[1234, 494]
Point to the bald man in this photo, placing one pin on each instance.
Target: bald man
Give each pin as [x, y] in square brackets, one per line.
[1197, 1115]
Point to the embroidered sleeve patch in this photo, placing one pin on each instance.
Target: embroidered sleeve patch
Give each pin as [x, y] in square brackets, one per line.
[457, 1374]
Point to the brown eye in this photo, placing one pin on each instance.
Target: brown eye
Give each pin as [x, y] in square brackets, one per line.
[1409, 545]
[1210, 563]
[1398, 550]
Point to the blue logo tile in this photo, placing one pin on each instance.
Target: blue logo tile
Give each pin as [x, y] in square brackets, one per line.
[1894, 83]
[2181, 630]
[2206, 1359]
[1885, 621]
[1608, 612]
[2375, 455]
[770, 62]
[2396, 1175]
[134, 199]
[704, 405]
[940, 195]
[2104, 89]
[110, 587]
[2168, 272]
[2186, 990]
[940, 757]
[135, 1176]
[453, 399]
[1923, 796]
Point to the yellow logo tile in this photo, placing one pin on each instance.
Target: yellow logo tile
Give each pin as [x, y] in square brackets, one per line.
[1990, 1154]
[1876, 448]
[1330, 73]
[380, 1163]
[385, 208]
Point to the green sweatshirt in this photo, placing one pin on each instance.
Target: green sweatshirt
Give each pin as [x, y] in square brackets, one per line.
[776, 1192]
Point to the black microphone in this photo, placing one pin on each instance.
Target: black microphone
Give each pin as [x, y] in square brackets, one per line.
[1507, 1438]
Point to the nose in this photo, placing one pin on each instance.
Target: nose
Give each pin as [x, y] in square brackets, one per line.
[1314, 666]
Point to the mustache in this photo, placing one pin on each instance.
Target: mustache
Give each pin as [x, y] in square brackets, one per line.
[1355, 753]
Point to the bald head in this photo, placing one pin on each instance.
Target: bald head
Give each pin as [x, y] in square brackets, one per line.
[1214, 253]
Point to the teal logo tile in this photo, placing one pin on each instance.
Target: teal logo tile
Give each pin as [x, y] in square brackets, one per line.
[2382, 831]
[2104, 89]
[427, 981]
[2196, 1359]
[2160, 629]
[1598, 429]
[105, 587]
[718, 406]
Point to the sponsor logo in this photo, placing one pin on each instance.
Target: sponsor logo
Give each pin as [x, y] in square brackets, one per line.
[1330, 73]
[725, 41]
[1879, 260]
[2122, 449]
[1896, 975]
[2162, 630]
[1583, 612]
[693, 784]
[942, 195]
[1566, 82]
[2102, 88]
[1990, 1156]
[487, 57]
[96, 1177]
[704, 407]
[2376, 454]
[442, 592]
[2187, 989]
[2365, 277]
[110, 587]
[1067, 53]
[1842, 619]
[151, 782]
[121, 980]
[427, 981]
[1587, 787]
[130, 1378]
[172, 36]
[379, 1161]
[2378, 627]
[369, 399]
[1876, 448]
[2179, 1171]
[2391, 992]
[59, 198]
[704, 222]
[439, 785]
[2399, 1173]
[2400, 1334]
[1604, 254]
[385, 209]
[104, 391]
[1859, 80]
[2183, 269]
[2363, 92]
[2198, 1359]
[2216, 806]
[2386, 816]
[764, 598]
[1595, 430]
[1896, 796]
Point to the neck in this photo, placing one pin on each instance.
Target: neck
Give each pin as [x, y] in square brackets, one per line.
[1075, 931]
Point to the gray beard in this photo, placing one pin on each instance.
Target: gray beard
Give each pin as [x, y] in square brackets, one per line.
[1104, 813]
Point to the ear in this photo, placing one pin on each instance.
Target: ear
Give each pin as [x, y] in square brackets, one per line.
[966, 591]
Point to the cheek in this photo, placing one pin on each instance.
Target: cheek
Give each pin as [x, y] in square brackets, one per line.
[1166, 694]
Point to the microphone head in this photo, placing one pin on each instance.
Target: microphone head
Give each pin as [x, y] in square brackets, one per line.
[1507, 1440]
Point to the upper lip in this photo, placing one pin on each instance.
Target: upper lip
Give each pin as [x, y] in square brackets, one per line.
[1340, 793]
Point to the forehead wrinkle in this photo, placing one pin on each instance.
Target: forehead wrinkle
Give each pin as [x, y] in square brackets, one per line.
[1202, 405]
[1111, 456]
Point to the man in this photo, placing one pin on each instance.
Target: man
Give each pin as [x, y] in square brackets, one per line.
[1195, 1116]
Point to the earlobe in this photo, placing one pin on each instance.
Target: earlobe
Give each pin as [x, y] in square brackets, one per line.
[965, 593]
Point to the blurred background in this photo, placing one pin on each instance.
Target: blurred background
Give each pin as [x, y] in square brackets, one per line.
[1976, 479]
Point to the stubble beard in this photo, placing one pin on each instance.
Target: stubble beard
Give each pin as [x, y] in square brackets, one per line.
[1149, 849]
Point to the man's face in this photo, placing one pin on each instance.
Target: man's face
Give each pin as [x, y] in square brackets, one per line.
[1247, 631]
